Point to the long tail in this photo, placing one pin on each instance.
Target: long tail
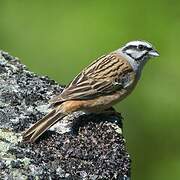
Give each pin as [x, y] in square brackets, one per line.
[42, 125]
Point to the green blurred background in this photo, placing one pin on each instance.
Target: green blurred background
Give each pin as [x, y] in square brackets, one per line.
[59, 38]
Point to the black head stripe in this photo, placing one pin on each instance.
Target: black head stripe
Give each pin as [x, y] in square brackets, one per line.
[148, 48]
[135, 47]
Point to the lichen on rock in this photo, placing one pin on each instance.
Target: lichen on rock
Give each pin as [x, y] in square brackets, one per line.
[81, 146]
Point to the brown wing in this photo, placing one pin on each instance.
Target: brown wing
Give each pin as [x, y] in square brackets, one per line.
[103, 76]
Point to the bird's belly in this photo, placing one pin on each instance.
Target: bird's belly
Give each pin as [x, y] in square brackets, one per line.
[104, 102]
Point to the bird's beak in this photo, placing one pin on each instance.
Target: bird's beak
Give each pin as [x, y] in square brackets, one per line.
[153, 53]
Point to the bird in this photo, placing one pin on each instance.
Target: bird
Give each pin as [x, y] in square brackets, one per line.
[99, 86]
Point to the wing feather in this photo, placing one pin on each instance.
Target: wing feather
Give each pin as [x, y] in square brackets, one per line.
[104, 76]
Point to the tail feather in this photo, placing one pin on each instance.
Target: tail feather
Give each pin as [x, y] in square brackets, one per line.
[34, 126]
[42, 125]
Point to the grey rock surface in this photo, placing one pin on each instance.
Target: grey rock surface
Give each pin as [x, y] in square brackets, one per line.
[79, 147]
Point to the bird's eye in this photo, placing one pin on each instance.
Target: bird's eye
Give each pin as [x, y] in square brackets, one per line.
[141, 47]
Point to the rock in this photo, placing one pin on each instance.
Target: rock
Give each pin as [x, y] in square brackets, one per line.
[80, 146]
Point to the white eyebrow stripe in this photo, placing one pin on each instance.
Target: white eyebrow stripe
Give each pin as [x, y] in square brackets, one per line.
[136, 43]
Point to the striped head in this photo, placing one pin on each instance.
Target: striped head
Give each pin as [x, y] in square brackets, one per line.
[138, 52]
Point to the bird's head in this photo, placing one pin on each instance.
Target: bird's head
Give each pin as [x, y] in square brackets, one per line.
[140, 51]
